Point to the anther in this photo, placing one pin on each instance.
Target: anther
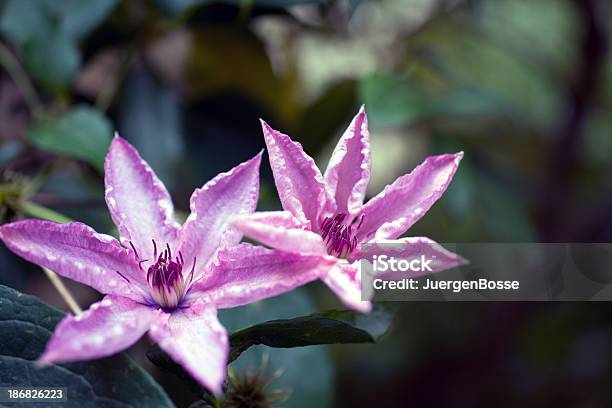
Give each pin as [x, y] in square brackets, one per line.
[338, 237]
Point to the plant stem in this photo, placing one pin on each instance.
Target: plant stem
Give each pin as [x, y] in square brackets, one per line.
[106, 96]
[39, 211]
[63, 291]
[12, 66]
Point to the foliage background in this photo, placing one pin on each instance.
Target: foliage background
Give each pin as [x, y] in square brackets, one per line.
[523, 87]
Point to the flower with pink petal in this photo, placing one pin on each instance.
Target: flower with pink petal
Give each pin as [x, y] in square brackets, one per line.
[163, 278]
[324, 215]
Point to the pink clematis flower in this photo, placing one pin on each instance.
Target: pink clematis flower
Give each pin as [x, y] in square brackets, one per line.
[324, 215]
[163, 278]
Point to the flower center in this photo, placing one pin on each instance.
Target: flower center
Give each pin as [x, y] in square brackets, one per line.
[338, 236]
[165, 277]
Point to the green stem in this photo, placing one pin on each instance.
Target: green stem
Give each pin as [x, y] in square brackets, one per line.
[106, 96]
[38, 211]
[63, 291]
[45, 213]
[12, 66]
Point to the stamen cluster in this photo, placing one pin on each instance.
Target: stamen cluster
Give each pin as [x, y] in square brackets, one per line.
[165, 278]
[338, 236]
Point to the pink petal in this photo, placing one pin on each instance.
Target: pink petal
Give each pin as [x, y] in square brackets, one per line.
[344, 280]
[280, 232]
[298, 180]
[195, 339]
[207, 229]
[274, 218]
[248, 273]
[413, 248]
[108, 327]
[348, 171]
[137, 200]
[401, 204]
[77, 252]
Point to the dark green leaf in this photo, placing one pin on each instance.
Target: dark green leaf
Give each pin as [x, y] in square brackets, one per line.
[82, 132]
[391, 100]
[78, 18]
[50, 55]
[21, 21]
[52, 59]
[163, 361]
[47, 32]
[503, 214]
[332, 327]
[178, 6]
[394, 100]
[468, 101]
[26, 324]
[459, 196]
[314, 390]
[273, 3]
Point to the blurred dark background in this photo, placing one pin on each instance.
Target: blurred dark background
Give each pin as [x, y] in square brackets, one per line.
[524, 87]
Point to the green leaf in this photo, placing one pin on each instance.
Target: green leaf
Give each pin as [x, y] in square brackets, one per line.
[466, 100]
[21, 22]
[316, 390]
[391, 100]
[50, 55]
[313, 390]
[332, 327]
[44, 213]
[273, 3]
[82, 132]
[47, 32]
[52, 59]
[78, 18]
[164, 362]
[503, 214]
[26, 324]
[398, 100]
[178, 6]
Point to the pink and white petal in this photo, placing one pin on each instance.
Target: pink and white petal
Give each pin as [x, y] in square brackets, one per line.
[248, 273]
[345, 281]
[298, 180]
[348, 171]
[77, 252]
[106, 328]
[275, 219]
[413, 248]
[401, 204]
[208, 229]
[137, 200]
[195, 339]
[268, 231]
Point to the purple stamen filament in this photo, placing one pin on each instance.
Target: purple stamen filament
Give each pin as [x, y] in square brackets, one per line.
[338, 236]
[165, 277]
